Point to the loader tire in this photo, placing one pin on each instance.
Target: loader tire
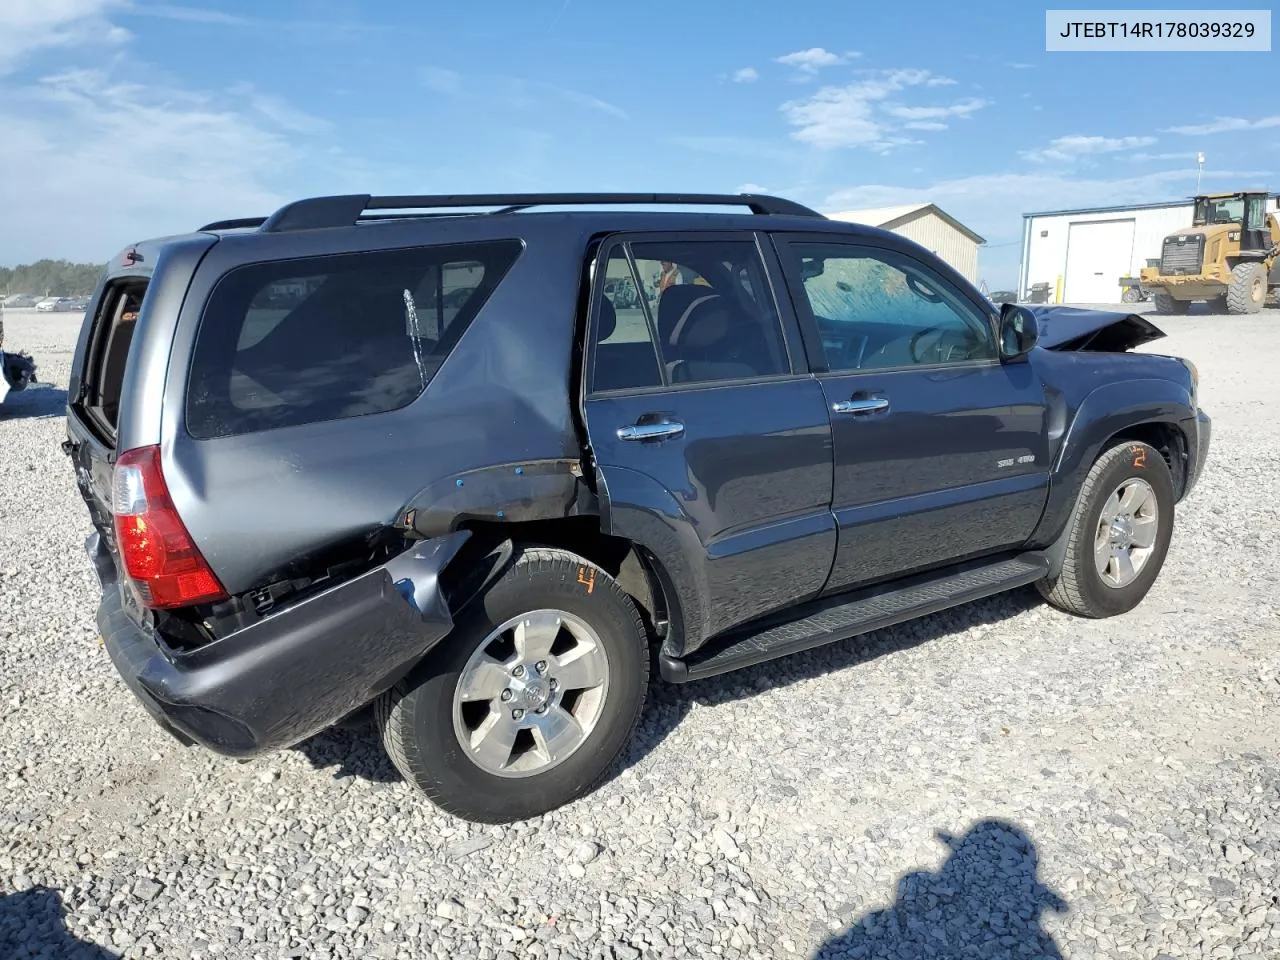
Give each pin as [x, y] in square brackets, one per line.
[1167, 304]
[1248, 290]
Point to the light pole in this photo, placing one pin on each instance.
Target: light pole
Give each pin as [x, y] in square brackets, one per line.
[1199, 168]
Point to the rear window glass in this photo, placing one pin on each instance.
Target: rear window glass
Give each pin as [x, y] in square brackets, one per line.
[325, 338]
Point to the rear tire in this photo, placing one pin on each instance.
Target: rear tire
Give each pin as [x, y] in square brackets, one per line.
[1248, 290]
[1095, 581]
[451, 727]
[1167, 304]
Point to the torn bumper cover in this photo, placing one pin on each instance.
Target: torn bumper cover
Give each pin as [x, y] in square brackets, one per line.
[289, 676]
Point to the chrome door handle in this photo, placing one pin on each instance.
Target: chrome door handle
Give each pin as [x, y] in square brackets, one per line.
[870, 405]
[651, 431]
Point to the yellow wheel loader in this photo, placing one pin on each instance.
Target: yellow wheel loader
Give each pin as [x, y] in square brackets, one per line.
[1230, 256]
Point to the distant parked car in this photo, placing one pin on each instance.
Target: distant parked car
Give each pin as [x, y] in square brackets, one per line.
[20, 301]
[68, 305]
[47, 304]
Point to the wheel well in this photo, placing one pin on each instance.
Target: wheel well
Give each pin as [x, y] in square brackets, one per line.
[1165, 437]
[637, 572]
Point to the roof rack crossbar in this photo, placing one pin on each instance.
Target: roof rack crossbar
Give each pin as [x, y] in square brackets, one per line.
[233, 224]
[343, 211]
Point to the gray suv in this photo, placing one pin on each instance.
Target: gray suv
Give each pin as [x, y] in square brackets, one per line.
[477, 464]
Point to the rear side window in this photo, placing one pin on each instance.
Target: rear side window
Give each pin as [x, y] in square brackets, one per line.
[325, 338]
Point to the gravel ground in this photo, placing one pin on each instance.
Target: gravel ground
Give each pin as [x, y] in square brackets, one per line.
[1000, 780]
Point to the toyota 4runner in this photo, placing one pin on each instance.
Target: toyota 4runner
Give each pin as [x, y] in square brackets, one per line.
[475, 463]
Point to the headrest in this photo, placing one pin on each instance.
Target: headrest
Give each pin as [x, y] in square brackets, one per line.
[674, 303]
[608, 320]
[704, 323]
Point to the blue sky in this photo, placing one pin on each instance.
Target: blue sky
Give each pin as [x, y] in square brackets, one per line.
[121, 119]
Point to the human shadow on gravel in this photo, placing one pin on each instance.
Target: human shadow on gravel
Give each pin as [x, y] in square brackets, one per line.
[985, 901]
[33, 924]
[36, 401]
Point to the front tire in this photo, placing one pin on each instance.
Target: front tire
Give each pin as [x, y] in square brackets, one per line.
[529, 701]
[1248, 290]
[1167, 304]
[1119, 534]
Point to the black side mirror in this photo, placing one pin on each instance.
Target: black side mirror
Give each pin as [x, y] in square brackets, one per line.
[1019, 331]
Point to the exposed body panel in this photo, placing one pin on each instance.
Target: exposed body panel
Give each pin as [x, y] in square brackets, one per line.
[259, 502]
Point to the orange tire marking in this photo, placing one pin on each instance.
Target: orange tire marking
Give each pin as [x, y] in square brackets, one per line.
[1139, 456]
[587, 577]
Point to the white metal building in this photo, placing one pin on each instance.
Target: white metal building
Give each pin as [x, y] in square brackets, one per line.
[1082, 254]
[929, 226]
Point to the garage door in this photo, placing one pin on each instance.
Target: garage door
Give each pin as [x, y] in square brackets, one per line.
[1099, 253]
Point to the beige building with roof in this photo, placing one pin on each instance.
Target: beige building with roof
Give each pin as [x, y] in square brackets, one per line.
[928, 225]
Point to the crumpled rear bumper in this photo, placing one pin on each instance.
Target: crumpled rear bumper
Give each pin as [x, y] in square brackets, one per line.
[297, 671]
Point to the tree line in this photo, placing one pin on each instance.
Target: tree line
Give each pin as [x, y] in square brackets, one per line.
[50, 278]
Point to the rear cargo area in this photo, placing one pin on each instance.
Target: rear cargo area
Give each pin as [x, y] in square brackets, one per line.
[113, 324]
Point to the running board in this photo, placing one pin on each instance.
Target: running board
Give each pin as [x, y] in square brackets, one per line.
[852, 614]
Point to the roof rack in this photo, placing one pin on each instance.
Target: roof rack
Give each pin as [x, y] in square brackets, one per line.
[233, 224]
[344, 211]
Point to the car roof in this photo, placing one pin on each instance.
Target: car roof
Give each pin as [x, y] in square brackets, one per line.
[393, 219]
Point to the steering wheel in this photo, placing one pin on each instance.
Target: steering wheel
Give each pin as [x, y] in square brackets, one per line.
[949, 345]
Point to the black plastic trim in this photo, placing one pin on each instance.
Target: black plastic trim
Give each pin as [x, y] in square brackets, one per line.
[849, 615]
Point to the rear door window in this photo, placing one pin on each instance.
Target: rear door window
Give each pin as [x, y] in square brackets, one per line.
[686, 311]
[325, 338]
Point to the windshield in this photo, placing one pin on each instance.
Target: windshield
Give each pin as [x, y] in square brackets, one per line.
[1219, 210]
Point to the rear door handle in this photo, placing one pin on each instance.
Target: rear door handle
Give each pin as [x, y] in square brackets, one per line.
[869, 405]
[657, 430]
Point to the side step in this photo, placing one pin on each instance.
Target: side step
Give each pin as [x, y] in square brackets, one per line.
[839, 618]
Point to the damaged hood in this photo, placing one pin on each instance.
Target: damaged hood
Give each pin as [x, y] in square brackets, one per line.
[1077, 328]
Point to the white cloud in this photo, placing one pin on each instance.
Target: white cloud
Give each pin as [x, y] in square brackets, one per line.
[570, 96]
[1067, 149]
[924, 125]
[746, 75]
[515, 93]
[1141, 157]
[751, 188]
[1226, 125]
[961, 108]
[856, 115]
[279, 112]
[812, 60]
[169, 11]
[29, 26]
[121, 158]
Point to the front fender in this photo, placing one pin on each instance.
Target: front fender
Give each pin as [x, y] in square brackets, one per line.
[636, 507]
[1105, 412]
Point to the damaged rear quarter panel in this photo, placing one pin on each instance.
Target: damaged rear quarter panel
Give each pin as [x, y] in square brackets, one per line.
[260, 502]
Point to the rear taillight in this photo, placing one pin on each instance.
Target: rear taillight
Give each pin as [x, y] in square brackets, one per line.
[158, 553]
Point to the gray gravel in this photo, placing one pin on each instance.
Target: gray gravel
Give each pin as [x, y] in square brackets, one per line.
[1001, 780]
